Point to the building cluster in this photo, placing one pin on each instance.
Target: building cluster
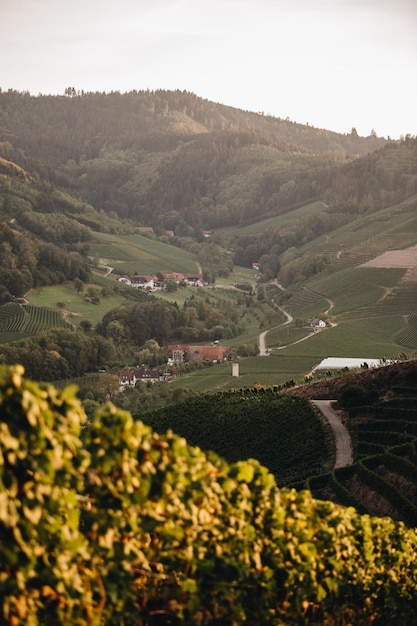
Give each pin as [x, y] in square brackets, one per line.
[153, 282]
[176, 354]
[129, 378]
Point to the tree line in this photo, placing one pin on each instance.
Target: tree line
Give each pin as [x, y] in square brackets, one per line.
[27, 263]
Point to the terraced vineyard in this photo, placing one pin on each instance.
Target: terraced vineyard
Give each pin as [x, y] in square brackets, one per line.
[383, 479]
[305, 300]
[401, 300]
[283, 433]
[408, 337]
[356, 288]
[25, 319]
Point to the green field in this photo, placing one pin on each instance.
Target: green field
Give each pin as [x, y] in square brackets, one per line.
[353, 288]
[363, 338]
[272, 223]
[143, 255]
[75, 304]
[272, 370]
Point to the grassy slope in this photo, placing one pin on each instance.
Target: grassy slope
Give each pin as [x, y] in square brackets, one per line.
[135, 253]
[272, 223]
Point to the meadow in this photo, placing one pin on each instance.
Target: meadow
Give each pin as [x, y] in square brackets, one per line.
[76, 306]
[271, 223]
[141, 255]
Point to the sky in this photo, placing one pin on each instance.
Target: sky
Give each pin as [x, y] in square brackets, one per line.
[334, 64]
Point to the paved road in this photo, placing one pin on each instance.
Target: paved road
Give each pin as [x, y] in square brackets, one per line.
[340, 432]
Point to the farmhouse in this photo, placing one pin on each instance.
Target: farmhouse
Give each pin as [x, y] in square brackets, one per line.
[175, 277]
[144, 281]
[179, 354]
[152, 375]
[139, 281]
[129, 378]
[318, 324]
[195, 280]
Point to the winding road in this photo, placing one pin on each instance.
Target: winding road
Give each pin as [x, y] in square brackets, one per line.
[340, 432]
[263, 351]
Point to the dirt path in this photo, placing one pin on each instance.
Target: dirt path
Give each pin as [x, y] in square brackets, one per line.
[104, 263]
[340, 432]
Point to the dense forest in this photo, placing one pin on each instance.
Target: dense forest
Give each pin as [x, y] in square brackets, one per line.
[170, 158]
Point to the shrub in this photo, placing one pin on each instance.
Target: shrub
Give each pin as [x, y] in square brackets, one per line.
[354, 395]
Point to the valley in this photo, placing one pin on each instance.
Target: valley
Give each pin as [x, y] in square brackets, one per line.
[185, 291]
[305, 242]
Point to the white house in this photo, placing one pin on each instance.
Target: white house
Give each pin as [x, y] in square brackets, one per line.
[139, 281]
[142, 281]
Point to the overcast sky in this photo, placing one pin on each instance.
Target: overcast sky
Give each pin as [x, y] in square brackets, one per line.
[334, 64]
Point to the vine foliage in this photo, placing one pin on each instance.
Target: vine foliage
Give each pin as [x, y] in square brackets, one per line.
[112, 523]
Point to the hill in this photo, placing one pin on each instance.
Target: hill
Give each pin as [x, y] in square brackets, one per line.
[170, 159]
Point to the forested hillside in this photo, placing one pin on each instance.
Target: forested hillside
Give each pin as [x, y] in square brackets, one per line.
[170, 158]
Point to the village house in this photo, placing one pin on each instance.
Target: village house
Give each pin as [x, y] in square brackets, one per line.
[318, 324]
[195, 280]
[144, 375]
[176, 354]
[175, 277]
[139, 281]
[142, 281]
[129, 378]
